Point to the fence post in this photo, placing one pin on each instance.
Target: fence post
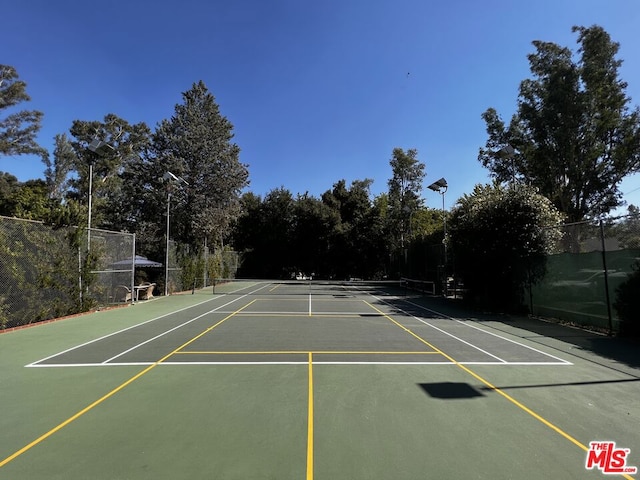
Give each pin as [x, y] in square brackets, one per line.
[606, 278]
[206, 264]
[80, 274]
[133, 268]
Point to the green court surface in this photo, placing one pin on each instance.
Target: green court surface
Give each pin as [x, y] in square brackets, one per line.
[304, 380]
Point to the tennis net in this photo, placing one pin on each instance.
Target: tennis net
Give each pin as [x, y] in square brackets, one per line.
[336, 288]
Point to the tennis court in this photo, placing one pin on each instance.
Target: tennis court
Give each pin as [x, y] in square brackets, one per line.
[310, 380]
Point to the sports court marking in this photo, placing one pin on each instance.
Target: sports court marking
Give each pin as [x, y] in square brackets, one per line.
[112, 392]
[38, 362]
[310, 417]
[559, 361]
[34, 364]
[368, 313]
[310, 362]
[492, 387]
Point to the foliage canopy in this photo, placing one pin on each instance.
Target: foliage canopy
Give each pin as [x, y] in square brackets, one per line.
[574, 136]
[500, 242]
[17, 129]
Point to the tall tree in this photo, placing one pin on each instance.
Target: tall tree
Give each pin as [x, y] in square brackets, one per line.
[277, 218]
[24, 200]
[314, 227]
[57, 171]
[574, 135]
[196, 145]
[404, 192]
[118, 183]
[18, 129]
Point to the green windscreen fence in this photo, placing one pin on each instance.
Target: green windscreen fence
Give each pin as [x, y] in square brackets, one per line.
[590, 262]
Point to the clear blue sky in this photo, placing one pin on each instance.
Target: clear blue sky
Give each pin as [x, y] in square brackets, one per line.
[317, 91]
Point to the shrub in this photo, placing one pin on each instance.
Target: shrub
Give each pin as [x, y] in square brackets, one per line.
[500, 243]
[627, 304]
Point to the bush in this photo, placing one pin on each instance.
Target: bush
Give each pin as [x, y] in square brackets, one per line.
[627, 304]
[500, 243]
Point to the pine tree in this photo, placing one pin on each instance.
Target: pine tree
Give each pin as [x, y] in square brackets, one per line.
[196, 145]
[18, 129]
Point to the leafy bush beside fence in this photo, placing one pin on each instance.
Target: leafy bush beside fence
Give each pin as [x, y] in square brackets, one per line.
[627, 303]
[500, 244]
[48, 272]
[39, 272]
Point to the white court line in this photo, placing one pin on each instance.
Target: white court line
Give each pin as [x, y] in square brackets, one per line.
[63, 365]
[181, 325]
[467, 324]
[144, 364]
[105, 363]
[35, 364]
[298, 313]
[440, 330]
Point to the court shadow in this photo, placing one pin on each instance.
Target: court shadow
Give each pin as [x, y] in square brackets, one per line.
[408, 305]
[563, 384]
[450, 390]
[620, 350]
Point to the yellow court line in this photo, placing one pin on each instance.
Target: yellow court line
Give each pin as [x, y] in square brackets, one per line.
[60, 426]
[189, 342]
[301, 352]
[310, 422]
[493, 387]
[302, 314]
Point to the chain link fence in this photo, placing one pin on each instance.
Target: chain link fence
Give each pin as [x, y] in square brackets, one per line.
[589, 264]
[39, 272]
[221, 264]
[48, 272]
[111, 267]
[191, 268]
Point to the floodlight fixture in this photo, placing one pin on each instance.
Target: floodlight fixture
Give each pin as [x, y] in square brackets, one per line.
[507, 151]
[171, 176]
[438, 185]
[101, 148]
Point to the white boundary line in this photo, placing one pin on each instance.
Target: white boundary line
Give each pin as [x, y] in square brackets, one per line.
[33, 364]
[37, 362]
[181, 325]
[439, 329]
[562, 361]
[144, 364]
[108, 362]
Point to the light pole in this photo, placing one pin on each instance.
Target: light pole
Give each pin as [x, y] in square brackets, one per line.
[440, 186]
[102, 149]
[509, 153]
[170, 178]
